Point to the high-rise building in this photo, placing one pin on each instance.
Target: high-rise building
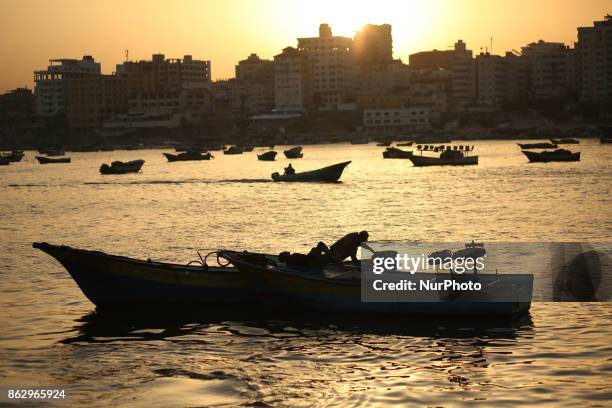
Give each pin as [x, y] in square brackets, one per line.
[463, 78]
[332, 67]
[50, 84]
[254, 85]
[161, 74]
[292, 80]
[492, 79]
[594, 60]
[16, 107]
[552, 69]
[373, 45]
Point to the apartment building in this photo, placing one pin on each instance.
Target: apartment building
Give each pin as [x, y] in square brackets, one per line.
[293, 80]
[332, 67]
[398, 119]
[594, 61]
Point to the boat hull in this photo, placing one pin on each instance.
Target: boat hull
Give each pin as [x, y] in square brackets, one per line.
[187, 157]
[47, 160]
[267, 156]
[112, 281]
[393, 153]
[328, 174]
[546, 157]
[314, 293]
[122, 168]
[421, 161]
[294, 153]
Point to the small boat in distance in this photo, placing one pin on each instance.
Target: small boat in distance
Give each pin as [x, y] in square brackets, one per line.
[383, 144]
[564, 141]
[559, 155]
[118, 167]
[449, 156]
[111, 281]
[326, 174]
[4, 161]
[294, 153]
[405, 144]
[49, 160]
[233, 150]
[187, 156]
[543, 145]
[267, 156]
[246, 148]
[605, 140]
[14, 156]
[395, 153]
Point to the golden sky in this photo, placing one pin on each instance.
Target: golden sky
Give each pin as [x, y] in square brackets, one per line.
[225, 31]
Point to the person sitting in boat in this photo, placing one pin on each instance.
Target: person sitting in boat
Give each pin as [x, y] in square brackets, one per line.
[289, 170]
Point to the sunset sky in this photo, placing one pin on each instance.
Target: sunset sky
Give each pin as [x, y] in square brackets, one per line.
[226, 31]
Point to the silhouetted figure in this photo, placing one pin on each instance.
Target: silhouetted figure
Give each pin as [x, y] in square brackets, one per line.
[317, 257]
[321, 255]
[289, 170]
[347, 246]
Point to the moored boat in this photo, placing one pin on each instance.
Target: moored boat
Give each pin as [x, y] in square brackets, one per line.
[543, 145]
[559, 155]
[267, 156]
[338, 289]
[448, 157]
[383, 144]
[111, 281]
[187, 156]
[395, 153]
[14, 156]
[4, 161]
[233, 150]
[564, 141]
[405, 143]
[118, 167]
[326, 174]
[605, 140]
[294, 153]
[49, 160]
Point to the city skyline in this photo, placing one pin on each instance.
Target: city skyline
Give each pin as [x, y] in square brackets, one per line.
[179, 30]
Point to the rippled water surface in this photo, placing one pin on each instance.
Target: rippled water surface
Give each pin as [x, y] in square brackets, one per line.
[51, 334]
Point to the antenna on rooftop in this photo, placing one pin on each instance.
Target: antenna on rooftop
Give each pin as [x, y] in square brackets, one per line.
[127, 53]
[491, 48]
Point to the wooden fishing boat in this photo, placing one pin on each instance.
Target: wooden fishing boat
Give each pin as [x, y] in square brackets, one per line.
[49, 160]
[4, 161]
[395, 153]
[559, 155]
[188, 156]
[326, 174]
[383, 144]
[405, 144]
[448, 157]
[14, 156]
[246, 148]
[605, 140]
[294, 153]
[537, 145]
[233, 150]
[111, 281]
[564, 141]
[338, 289]
[118, 167]
[267, 156]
